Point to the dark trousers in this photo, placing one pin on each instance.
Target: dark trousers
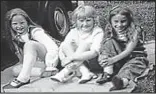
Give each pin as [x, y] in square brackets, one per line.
[129, 67]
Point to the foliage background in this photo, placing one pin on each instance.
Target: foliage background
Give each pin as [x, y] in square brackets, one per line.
[143, 11]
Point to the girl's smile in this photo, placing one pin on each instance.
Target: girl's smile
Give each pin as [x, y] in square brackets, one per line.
[119, 23]
[19, 24]
[85, 24]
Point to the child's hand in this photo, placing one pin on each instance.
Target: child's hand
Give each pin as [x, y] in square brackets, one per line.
[102, 57]
[103, 62]
[107, 62]
[110, 61]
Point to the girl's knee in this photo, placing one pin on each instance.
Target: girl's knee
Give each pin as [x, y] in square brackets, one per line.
[69, 45]
[29, 44]
[68, 48]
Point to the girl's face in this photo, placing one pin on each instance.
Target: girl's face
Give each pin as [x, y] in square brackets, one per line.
[119, 22]
[85, 24]
[19, 24]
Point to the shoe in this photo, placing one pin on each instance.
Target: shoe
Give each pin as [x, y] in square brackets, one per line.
[69, 76]
[15, 84]
[105, 77]
[63, 79]
[55, 79]
[49, 73]
[85, 79]
[117, 83]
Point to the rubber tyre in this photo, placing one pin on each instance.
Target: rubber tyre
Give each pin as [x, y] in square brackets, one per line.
[57, 8]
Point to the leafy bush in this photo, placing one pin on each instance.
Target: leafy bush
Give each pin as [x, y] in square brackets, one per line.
[143, 11]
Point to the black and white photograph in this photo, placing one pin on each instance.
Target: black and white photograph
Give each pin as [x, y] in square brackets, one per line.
[78, 46]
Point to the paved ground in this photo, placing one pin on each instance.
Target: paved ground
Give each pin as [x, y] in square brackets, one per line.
[47, 85]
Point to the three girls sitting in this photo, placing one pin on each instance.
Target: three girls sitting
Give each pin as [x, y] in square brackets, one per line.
[122, 57]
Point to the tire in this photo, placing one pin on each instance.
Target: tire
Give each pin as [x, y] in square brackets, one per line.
[58, 20]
